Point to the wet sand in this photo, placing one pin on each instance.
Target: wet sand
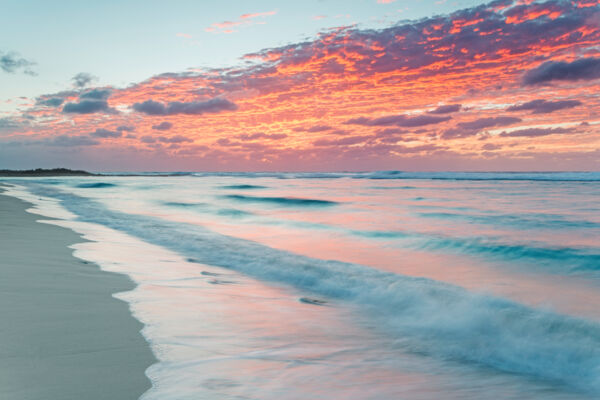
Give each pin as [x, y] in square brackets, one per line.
[62, 335]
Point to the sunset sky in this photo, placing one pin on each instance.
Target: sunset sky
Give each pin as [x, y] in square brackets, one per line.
[301, 86]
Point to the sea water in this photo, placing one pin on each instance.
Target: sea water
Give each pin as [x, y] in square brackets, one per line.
[351, 285]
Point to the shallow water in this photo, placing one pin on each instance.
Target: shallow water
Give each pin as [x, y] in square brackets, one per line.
[303, 286]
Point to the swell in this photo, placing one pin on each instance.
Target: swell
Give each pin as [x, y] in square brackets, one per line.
[284, 201]
[96, 185]
[554, 259]
[530, 221]
[184, 204]
[207, 208]
[456, 176]
[484, 176]
[243, 187]
[425, 316]
[558, 259]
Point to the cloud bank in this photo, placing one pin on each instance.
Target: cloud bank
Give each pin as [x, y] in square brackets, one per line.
[495, 86]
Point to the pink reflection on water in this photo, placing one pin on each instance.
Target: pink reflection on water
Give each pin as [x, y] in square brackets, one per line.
[223, 335]
[367, 207]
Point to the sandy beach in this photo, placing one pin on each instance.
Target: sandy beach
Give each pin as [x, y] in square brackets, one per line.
[63, 336]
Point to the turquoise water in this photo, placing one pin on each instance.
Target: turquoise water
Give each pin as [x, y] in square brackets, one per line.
[354, 285]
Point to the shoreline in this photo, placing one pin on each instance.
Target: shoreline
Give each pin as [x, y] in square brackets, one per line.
[64, 336]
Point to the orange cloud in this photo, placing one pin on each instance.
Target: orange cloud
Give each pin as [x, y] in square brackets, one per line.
[440, 92]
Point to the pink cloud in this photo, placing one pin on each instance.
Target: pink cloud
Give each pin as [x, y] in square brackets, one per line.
[259, 14]
[244, 20]
[478, 88]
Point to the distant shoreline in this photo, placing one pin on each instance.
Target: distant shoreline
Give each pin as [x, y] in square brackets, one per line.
[45, 172]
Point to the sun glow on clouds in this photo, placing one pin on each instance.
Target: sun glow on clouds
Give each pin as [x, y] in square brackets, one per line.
[507, 85]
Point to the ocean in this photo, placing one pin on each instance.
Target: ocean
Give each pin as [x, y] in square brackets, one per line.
[380, 285]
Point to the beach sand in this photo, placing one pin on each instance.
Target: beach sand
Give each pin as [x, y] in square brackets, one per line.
[62, 335]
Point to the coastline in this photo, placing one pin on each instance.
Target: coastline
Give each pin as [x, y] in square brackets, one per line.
[63, 336]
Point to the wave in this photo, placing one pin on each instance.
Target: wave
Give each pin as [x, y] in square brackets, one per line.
[243, 187]
[379, 175]
[459, 176]
[424, 316]
[565, 260]
[277, 175]
[529, 221]
[183, 204]
[484, 176]
[557, 260]
[209, 208]
[554, 259]
[96, 185]
[394, 187]
[284, 201]
[233, 212]
[149, 173]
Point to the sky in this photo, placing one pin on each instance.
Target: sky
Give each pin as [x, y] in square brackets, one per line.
[322, 85]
